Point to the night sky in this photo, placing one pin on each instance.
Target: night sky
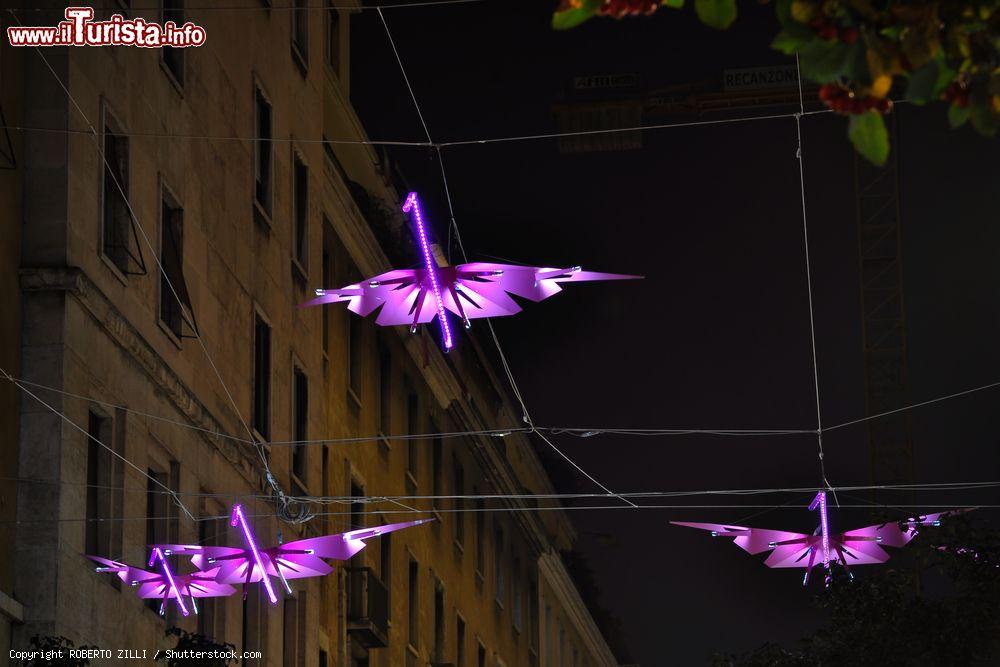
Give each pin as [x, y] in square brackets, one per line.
[717, 335]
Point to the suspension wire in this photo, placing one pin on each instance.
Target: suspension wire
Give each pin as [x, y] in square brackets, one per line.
[293, 517]
[921, 404]
[458, 237]
[576, 431]
[488, 510]
[809, 288]
[115, 406]
[125, 460]
[348, 500]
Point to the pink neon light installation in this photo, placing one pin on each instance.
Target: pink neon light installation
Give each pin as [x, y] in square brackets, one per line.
[156, 585]
[824, 525]
[413, 204]
[470, 291]
[157, 554]
[292, 560]
[861, 546]
[238, 517]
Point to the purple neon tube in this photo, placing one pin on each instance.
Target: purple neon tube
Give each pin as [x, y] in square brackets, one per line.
[158, 554]
[824, 525]
[239, 518]
[413, 204]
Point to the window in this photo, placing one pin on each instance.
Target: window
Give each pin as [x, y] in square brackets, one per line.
[300, 212]
[459, 490]
[481, 659]
[357, 518]
[262, 152]
[173, 58]
[323, 659]
[104, 490]
[300, 415]
[162, 521]
[300, 32]
[437, 464]
[255, 613]
[412, 445]
[327, 270]
[116, 220]
[480, 535]
[498, 581]
[261, 377]
[515, 590]
[459, 641]
[332, 37]
[533, 621]
[325, 485]
[384, 392]
[549, 636]
[355, 351]
[385, 569]
[294, 636]
[174, 297]
[212, 611]
[562, 643]
[438, 654]
[413, 606]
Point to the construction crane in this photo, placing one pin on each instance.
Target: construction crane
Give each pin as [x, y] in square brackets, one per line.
[608, 101]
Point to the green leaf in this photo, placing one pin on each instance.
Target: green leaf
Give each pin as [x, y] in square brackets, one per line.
[792, 38]
[982, 118]
[869, 136]
[856, 65]
[824, 60]
[718, 14]
[957, 115]
[892, 32]
[570, 18]
[783, 9]
[928, 82]
[675, 4]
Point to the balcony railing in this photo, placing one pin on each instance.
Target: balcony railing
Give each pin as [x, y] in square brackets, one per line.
[367, 608]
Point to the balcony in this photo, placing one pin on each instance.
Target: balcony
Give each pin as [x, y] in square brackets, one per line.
[367, 608]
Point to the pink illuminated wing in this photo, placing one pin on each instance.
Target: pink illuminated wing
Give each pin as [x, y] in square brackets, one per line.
[529, 282]
[197, 584]
[857, 552]
[296, 566]
[200, 555]
[343, 546]
[751, 540]
[367, 296]
[790, 555]
[123, 571]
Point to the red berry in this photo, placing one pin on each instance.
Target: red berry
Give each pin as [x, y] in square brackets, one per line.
[828, 32]
[849, 35]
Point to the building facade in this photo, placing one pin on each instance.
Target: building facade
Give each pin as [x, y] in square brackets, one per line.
[185, 202]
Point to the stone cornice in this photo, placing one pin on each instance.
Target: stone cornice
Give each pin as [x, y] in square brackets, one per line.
[75, 282]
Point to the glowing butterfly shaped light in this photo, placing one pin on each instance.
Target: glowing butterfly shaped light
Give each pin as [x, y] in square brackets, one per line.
[291, 560]
[862, 546]
[166, 584]
[469, 291]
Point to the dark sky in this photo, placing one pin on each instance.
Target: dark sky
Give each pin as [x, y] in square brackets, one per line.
[717, 335]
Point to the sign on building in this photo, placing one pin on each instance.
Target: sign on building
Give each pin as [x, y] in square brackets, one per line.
[757, 78]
